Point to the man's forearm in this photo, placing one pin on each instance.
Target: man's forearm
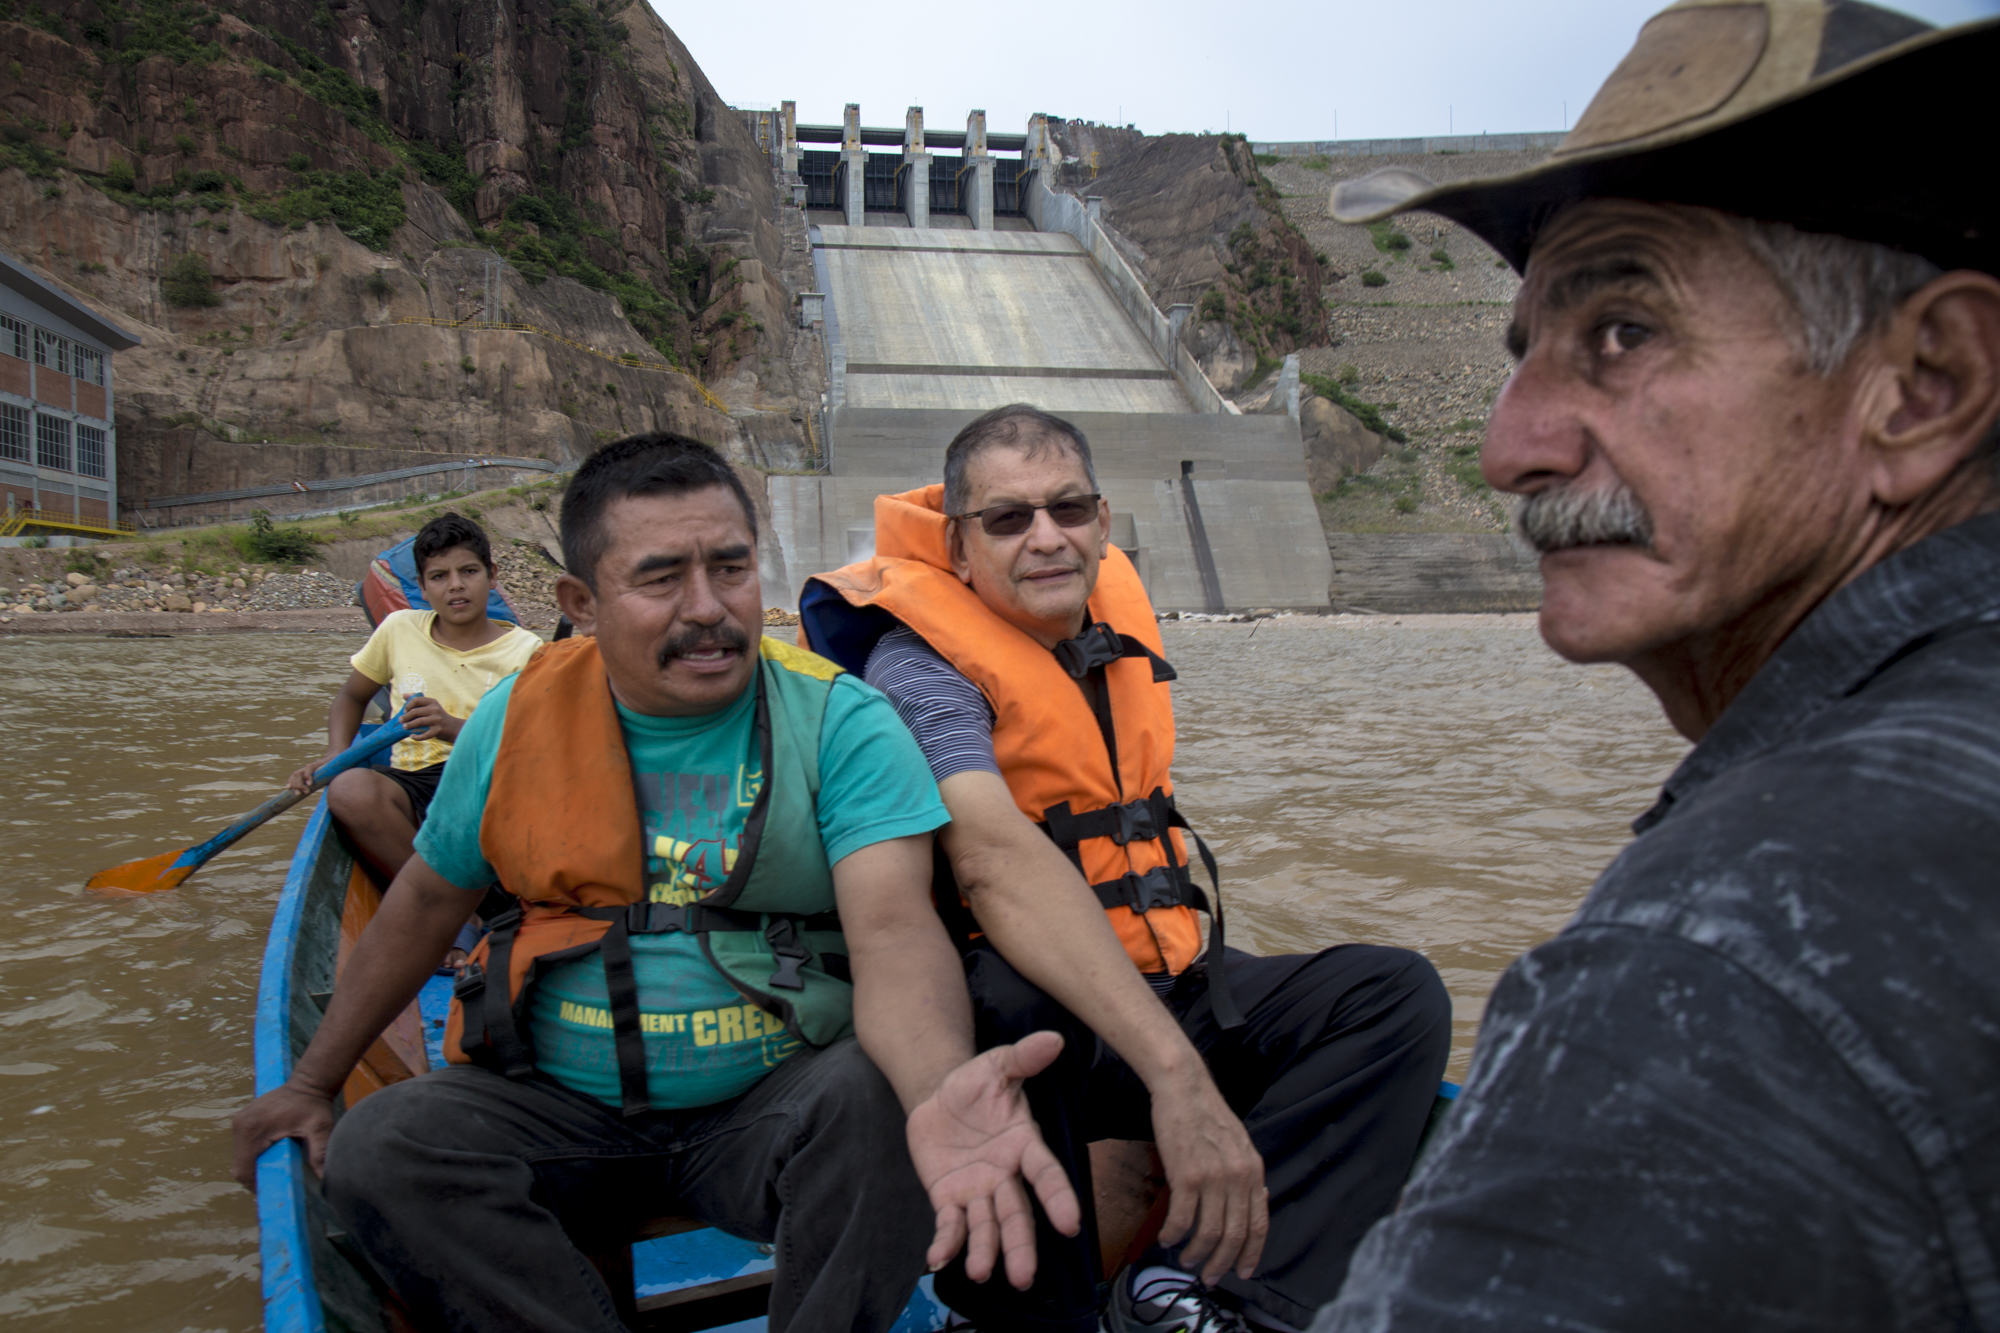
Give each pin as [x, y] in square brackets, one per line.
[911, 1013]
[419, 917]
[1041, 916]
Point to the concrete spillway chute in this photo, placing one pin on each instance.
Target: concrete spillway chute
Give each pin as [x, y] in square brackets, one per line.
[952, 277]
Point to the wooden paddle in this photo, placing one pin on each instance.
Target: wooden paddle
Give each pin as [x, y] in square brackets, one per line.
[169, 870]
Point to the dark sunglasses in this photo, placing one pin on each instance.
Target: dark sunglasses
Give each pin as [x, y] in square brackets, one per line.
[1072, 511]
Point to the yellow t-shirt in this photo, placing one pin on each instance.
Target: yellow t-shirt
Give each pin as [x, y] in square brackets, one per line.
[402, 655]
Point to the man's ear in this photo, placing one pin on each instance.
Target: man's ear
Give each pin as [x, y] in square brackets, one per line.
[954, 546]
[1103, 528]
[575, 599]
[1935, 387]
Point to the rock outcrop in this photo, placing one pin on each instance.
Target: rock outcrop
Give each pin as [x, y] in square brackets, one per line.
[264, 190]
[1337, 444]
[1194, 215]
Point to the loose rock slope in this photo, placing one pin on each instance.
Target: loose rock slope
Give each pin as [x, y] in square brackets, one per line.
[1423, 344]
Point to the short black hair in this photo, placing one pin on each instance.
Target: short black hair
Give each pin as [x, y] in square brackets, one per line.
[1015, 426]
[449, 530]
[661, 463]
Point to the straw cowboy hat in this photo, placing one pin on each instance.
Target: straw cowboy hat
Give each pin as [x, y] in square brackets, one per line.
[1831, 115]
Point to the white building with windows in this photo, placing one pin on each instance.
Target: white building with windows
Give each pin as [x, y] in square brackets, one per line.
[58, 447]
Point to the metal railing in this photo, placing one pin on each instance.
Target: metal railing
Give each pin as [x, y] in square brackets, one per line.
[13, 522]
[466, 465]
[630, 360]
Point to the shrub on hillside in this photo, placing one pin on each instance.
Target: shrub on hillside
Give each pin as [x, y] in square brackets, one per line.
[267, 542]
[1374, 278]
[186, 281]
[1368, 414]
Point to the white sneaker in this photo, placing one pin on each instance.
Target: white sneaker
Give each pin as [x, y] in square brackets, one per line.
[1167, 1304]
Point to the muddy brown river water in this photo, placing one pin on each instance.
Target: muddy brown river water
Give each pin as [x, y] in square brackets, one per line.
[1443, 783]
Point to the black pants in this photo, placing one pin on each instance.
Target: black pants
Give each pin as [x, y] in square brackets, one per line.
[1333, 1073]
[474, 1193]
[419, 784]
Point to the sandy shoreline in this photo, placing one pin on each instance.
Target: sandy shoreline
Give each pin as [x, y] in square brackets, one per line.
[166, 624]
[351, 620]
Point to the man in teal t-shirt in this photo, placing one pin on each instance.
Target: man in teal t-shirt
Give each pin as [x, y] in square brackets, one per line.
[863, 1160]
[696, 779]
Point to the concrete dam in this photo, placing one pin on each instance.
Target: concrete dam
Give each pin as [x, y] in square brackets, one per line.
[950, 283]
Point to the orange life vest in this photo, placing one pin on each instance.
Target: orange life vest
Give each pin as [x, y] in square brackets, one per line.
[561, 830]
[1114, 817]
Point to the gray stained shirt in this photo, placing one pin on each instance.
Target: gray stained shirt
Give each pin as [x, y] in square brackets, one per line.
[1755, 1083]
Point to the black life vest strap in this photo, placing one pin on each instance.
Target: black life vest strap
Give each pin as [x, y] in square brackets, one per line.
[1145, 819]
[1100, 645]
[501, 1048]
[615, 949]
[1220, 998]
[1169, 885]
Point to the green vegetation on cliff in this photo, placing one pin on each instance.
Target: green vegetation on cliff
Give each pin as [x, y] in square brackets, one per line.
[367, 207]
[1368, 414]
[185, 140]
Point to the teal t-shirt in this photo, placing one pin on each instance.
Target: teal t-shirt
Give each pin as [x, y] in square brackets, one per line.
[696, 778]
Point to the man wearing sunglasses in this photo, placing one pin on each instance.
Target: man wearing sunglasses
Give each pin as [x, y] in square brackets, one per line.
[1286, 1095]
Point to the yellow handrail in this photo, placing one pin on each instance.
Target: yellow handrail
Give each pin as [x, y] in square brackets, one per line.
[16, 521]
[630, 360]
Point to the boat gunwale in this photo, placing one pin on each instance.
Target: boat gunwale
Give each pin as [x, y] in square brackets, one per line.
[291, 1298]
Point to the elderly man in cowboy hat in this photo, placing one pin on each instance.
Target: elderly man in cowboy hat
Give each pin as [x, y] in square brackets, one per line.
[1755, 1083]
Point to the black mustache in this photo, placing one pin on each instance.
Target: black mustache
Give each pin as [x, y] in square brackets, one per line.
[695, 640]
[1565, 517]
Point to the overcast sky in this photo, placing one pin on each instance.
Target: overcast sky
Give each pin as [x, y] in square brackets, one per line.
[1277, 71]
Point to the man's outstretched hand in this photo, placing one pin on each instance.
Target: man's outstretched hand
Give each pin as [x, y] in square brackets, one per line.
[973, 1143]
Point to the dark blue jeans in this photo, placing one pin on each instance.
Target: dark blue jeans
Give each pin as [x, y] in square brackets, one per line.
[476, 1195]
[1333, 1073]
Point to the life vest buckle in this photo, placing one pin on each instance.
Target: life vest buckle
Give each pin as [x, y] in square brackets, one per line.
[470, 982]
[1100, 645]
[656, 918]
[791, 952]
[1134, 819]
[1158, 887]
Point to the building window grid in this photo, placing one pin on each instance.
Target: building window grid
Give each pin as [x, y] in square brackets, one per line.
[52, 442]
[90, 366]
[89, 451]
[14, 433]
[52, 351]
[13, 337]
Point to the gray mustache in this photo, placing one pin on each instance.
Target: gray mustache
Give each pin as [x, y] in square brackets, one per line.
[1565, 517]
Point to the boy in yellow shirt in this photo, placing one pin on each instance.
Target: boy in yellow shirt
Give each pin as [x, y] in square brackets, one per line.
[449, 655]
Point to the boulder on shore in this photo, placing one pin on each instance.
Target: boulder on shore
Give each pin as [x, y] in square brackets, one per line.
[1336, 443]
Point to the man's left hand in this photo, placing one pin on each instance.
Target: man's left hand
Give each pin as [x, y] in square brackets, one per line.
[974, 1142]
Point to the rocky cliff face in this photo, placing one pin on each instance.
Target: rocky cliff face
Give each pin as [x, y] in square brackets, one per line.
[263, 189]
[1196, 217]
